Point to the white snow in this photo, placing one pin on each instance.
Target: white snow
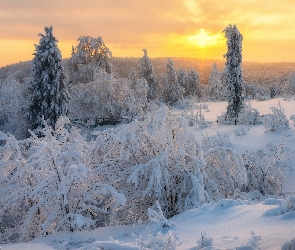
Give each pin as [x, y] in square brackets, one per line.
[245, 223]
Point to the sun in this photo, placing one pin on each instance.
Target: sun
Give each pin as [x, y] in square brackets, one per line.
[203, 39]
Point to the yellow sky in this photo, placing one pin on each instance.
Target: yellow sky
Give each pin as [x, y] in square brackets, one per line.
[166, 28]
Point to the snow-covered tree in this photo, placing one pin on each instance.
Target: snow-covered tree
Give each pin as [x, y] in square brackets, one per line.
[48, 86]
[273, 92]
[14, 104]
[193, 83]
[136, 102]
[182, 79]
[172, 90]
[217, 91]
[291, 81]
[88, 58]
[233, 72]
[146, 70]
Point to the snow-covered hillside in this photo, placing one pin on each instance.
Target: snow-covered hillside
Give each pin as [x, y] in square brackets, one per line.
[247, 221]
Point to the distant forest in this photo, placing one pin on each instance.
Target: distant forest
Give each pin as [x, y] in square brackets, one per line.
[253, 72]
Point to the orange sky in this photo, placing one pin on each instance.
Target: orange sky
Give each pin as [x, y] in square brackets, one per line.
[166, 28]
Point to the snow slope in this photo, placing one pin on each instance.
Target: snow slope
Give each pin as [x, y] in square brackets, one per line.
[252, 222]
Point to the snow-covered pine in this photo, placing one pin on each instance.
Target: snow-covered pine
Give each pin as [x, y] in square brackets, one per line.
[217, 92]
[193, 83]
[291, 81]
[48, 86]
[172, 89]
[89, 57]
[273, 91]
[53, 189]
[233, 72]
[183, 81]
[146, 71]
[136, 103]
[277, 120]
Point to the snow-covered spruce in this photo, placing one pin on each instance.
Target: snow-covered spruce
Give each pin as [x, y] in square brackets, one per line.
[48, 187]
[172, 90]
[146, 71]
[233, 72]
[190, 82]
[216, 90]
[48, 86]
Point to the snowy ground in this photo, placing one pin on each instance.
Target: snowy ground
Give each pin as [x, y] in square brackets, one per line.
[232, 224]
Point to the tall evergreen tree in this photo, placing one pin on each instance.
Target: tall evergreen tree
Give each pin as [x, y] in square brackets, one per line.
[193, 83]
[182, 79]
[172, 90]
[233, 72]
[146, 70]
[272, 92]
[48, 87]
[291, 80]
[217, 91]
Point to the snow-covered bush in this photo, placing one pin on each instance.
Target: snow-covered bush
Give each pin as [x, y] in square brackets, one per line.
[205, 243]
[185, 104]
[155, 214]
[218, 140]
[197, 120]
[266, 169]
[290, 245]
[240, 132]
[277, 120]
[159, 158]
[159, 241]
[289, 204]
[249, 115]
[226, 170]
[224, 166]
[155, 159]
[109, 98]
[46, 185]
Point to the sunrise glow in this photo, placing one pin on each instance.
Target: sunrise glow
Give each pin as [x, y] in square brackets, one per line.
[203, 39]
[169, 28]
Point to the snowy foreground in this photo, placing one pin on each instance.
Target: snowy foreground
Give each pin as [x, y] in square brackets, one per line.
[251, 222]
